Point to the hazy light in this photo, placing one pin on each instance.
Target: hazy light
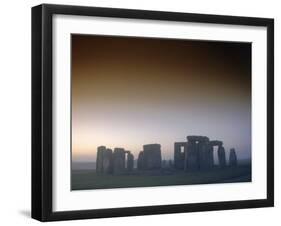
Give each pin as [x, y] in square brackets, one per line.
[127, 92]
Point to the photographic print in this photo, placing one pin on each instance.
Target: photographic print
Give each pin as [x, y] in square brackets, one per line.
[159, 112]
[131, 105]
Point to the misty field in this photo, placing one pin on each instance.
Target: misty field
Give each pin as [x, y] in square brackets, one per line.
[89, 179]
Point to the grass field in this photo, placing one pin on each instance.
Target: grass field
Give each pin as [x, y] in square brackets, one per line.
[89, 179]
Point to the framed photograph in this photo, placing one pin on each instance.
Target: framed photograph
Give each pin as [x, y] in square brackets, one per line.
[145, 112]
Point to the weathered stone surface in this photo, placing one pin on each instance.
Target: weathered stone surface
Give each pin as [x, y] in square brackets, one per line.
[140, 162]
[232, 158]
[216, 143]
[130, 161]
[99, 161]
[152, 156]
[118, 160]
[195, 154]
[104, 160]
[107, 161]
[221, 157]
[198, 153]
[204, 156]
[179, 156]
[198, 138]
[191, 162]
[210, 154]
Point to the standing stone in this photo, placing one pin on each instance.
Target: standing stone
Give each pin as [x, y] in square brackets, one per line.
[99, 161]
[107, 161]
[232, 158]
[210, 154]
[191, 157]
[140, 162]
[152, 156]
[203, 152]
[118, 160]
[130, 161]
[179, 155]
[199, 154]
[195, 157]
[104, 160]
[221, 157]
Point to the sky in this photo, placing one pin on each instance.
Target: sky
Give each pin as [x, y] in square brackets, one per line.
[128, 91]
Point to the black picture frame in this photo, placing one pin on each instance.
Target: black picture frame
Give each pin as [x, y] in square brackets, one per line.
[42, 106]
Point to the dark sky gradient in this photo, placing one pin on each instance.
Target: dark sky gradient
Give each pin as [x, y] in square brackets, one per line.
[129, 91]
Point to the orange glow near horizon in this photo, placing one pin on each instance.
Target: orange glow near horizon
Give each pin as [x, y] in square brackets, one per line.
[127, 92]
